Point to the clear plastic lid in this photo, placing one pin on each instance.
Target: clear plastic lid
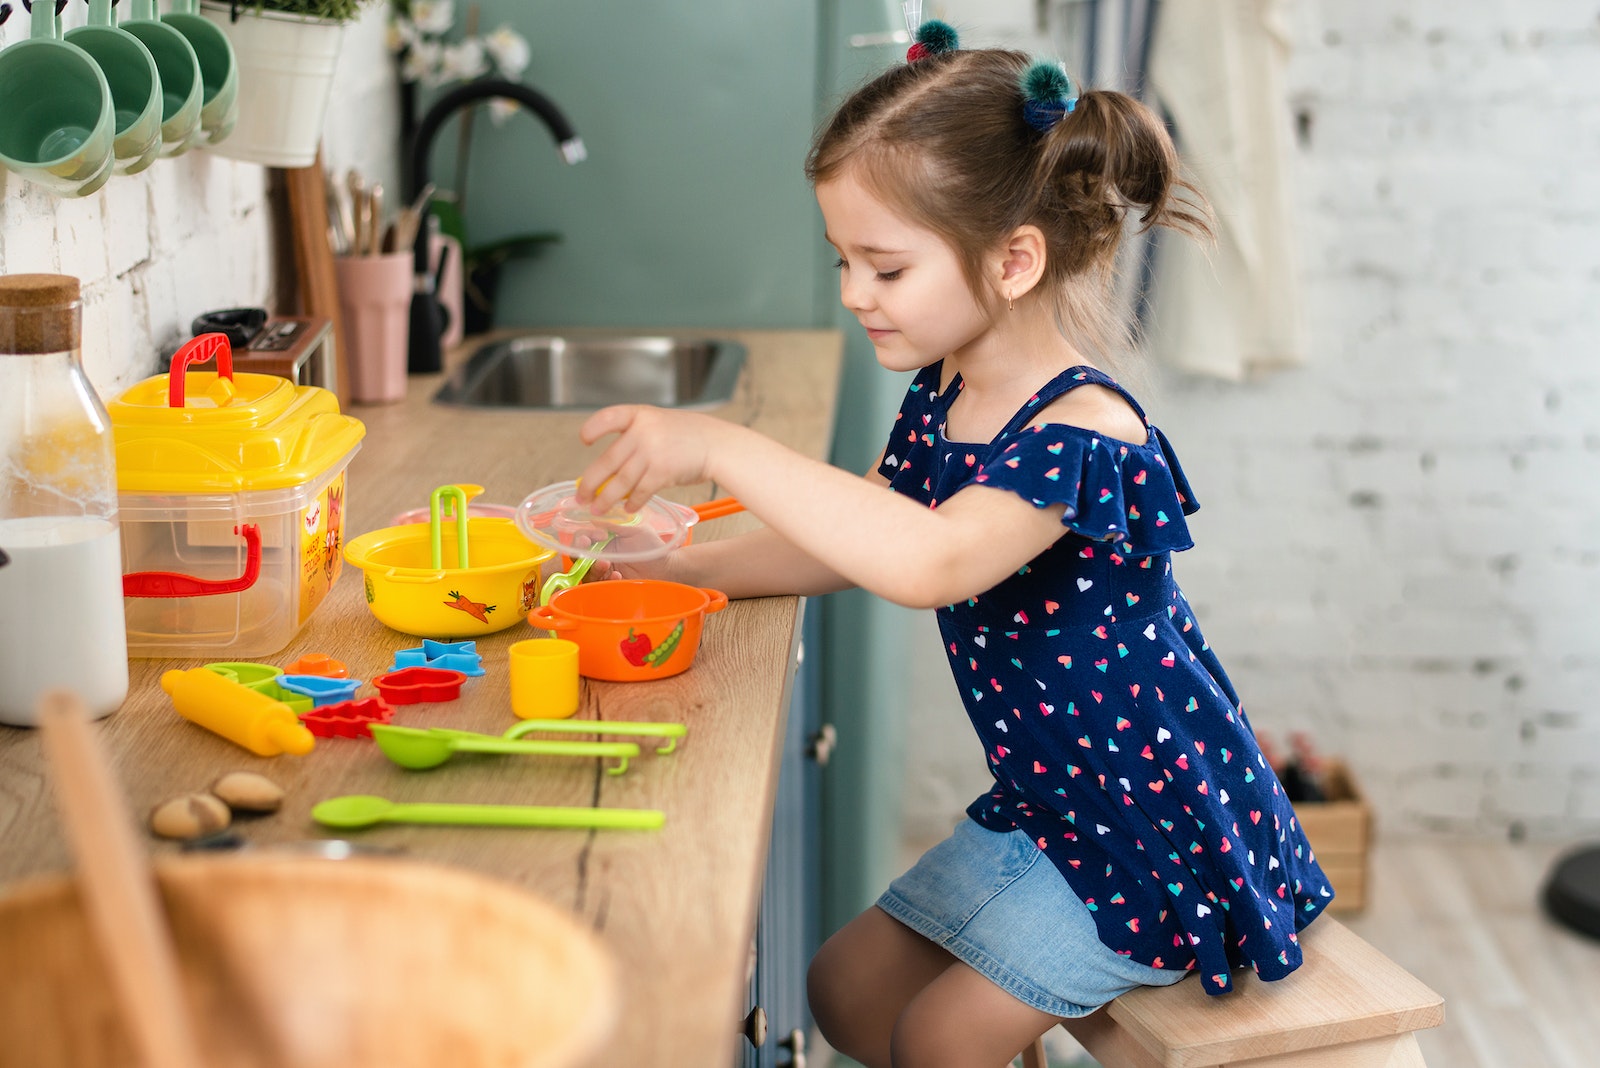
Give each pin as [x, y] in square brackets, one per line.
[553, 518]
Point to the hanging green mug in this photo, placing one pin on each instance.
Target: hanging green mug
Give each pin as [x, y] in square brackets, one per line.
[58, 123]
[135, 83]
[182, 85]
[219, 70]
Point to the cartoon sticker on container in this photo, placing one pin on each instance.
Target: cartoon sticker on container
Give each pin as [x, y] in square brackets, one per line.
[322, 529]
[529, 599]
[477, 611]
[636, 648]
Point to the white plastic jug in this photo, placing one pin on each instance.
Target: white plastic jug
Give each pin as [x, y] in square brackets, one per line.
[61, 619]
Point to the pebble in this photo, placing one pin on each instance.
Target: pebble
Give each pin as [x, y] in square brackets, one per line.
[245, 791]
[190, 816]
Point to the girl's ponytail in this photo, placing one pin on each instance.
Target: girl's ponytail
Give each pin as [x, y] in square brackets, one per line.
[1107, 156]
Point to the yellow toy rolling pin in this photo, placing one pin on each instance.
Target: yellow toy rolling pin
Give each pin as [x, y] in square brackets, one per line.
[238, 713]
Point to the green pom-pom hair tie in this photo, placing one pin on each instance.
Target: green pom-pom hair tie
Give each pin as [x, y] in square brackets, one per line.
[932, 38]
[1047, 94]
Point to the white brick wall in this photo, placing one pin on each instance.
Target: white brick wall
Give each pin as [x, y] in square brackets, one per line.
[1398, 547]
[189, 234]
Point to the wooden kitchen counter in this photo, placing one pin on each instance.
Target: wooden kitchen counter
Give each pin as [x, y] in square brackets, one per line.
[677, 906]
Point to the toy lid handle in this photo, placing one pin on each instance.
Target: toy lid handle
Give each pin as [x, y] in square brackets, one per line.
[198, 350]
[174, 584]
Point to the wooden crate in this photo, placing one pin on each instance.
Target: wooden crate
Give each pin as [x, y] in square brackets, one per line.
[1340, 832]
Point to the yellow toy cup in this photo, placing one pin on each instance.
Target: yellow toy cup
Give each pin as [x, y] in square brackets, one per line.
[544, 678]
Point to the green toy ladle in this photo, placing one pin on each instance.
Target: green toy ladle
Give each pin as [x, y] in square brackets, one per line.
[418, 749]
[565, 580]
[363, 810]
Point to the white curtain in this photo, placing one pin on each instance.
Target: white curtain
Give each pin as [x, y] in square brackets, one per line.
[1216, 68]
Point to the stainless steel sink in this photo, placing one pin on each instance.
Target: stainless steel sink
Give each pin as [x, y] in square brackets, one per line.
[554, 372]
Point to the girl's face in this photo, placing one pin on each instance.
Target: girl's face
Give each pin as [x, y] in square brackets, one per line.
[901, 281]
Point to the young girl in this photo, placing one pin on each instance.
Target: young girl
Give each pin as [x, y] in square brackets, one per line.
[1134, 832]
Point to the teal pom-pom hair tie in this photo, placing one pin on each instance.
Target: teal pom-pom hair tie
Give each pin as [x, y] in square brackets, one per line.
[1047, 94]
[932, 38]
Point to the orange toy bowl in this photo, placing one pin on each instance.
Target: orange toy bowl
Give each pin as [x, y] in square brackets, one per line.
[631, 630]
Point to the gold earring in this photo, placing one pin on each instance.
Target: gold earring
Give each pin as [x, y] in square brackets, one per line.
[1011, 304]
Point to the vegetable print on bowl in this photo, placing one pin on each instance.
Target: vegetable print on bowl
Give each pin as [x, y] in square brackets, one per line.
[631, 630]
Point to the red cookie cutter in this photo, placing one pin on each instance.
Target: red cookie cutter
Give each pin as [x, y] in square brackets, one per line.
[412, 685]
[348, 719]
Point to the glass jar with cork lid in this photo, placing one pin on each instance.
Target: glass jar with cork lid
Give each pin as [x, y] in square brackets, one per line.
[61, 616]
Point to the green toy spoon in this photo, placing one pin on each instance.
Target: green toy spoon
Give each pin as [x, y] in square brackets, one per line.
[640, 728]
[363, 810]
[417, 749]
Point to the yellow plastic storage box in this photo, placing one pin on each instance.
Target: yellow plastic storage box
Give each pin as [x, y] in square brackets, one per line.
[231, 493]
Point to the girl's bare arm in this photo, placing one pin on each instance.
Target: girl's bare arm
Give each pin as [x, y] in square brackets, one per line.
[859, 530]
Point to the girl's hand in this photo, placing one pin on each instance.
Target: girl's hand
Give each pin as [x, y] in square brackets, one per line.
[659, 568]
[655, 449]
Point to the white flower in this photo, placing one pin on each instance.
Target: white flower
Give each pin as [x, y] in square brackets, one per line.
[402, 34]
[433, 16]
[464, 61]
[501, 109]
[509, 50]
[422, 62]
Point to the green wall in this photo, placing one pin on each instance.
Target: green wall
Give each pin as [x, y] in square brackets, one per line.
[691, 208]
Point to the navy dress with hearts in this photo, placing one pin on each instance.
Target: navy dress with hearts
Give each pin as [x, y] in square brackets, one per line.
[1115, 739]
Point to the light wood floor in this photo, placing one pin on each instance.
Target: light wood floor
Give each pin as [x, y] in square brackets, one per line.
[1464, 917]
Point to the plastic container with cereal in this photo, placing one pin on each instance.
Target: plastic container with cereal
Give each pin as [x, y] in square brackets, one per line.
[232, 495]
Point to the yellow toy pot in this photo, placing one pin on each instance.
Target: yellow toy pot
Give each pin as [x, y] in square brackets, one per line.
[493, 585]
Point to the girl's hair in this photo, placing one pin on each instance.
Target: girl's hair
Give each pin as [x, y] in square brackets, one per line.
[943, 141]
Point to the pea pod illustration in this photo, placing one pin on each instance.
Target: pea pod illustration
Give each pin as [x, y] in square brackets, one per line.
[658, 656]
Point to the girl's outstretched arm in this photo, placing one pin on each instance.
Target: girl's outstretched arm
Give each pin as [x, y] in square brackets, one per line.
[860, 530]
[761, 563]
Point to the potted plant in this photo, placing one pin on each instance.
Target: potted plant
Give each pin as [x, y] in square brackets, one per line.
[287, 51]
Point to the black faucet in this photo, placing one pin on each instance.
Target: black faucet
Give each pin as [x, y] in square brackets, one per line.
[427, 319]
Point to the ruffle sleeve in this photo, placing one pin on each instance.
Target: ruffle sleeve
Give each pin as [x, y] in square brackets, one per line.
[1113, 490]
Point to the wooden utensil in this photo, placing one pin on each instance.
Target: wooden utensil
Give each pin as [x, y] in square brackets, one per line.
[118, 887]
[315, 277]
[358, 208]
[375, 220]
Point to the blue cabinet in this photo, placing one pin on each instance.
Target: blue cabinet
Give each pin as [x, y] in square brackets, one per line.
[789, 928]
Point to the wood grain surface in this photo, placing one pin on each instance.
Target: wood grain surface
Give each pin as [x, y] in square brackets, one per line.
[677, 906]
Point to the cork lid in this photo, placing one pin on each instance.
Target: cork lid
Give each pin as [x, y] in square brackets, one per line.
[37, 290]
[38, 313]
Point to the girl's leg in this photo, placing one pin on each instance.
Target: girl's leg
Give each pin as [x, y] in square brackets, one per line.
[862, 979]
[962, 1020]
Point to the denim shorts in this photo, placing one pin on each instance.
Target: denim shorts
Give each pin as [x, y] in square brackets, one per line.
[994, 901]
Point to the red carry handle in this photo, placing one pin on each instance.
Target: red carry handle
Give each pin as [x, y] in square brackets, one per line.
[198, 350]
[173, 584]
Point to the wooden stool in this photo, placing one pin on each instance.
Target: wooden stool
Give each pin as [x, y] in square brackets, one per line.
[1347, 1006]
